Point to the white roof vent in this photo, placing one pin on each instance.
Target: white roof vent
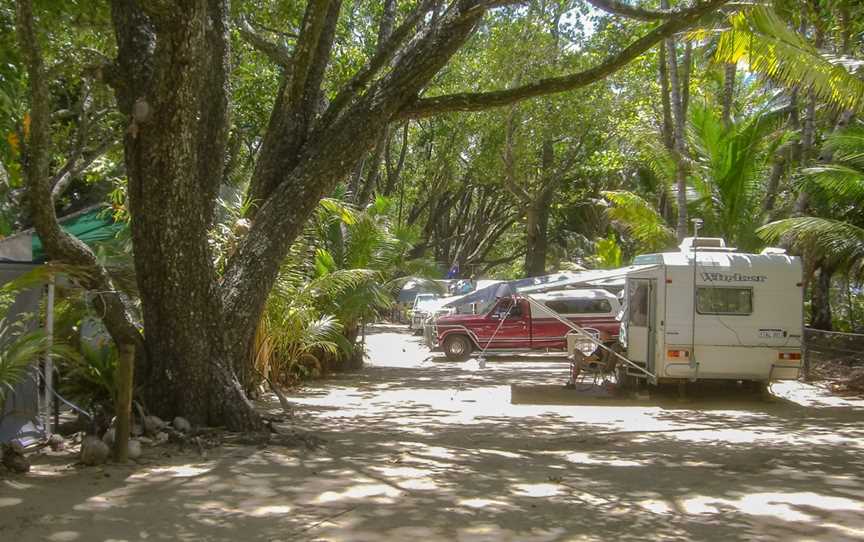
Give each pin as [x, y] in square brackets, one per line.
[704, 243]
[773, 250]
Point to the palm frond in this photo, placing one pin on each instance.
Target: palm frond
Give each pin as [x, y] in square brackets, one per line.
[17, 352]
[19, 349]
[761, 38]
[639, 219]
[818, 238]
[839, 182]
[848, 146]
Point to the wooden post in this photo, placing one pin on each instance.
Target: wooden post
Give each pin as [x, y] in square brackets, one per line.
[123, 403]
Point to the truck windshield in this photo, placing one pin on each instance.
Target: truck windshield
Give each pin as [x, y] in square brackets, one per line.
[505, 307]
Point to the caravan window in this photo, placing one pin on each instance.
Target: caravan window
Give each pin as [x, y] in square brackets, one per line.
[722, 300]
[580, 306]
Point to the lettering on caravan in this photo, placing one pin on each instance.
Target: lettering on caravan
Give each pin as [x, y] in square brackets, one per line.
[732, 277]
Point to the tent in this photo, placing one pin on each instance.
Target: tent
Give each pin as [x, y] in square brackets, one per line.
[26, 416]
[91, 225]
[20, 418]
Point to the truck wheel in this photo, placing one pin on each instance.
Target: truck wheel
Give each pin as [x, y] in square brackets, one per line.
[457, 347]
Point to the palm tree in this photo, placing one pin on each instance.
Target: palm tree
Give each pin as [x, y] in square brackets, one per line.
[730, 160]
[835, 243]
[341, 272]
[638, 218]
[727, 172]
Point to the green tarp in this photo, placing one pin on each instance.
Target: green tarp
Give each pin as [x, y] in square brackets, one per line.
[91, 227]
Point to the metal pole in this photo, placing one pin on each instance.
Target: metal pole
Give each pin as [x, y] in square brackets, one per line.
[49, 361]
[696, 223]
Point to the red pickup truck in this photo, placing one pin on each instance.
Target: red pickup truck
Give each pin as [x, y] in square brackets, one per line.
[509, 327]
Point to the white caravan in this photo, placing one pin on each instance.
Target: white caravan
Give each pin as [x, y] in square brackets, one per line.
[746, 323]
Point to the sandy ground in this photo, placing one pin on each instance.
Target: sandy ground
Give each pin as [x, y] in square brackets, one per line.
[422, 449]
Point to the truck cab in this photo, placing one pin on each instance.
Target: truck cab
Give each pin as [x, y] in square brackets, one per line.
[510, 324]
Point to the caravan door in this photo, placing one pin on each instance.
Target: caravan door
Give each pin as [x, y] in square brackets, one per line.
[641, 320]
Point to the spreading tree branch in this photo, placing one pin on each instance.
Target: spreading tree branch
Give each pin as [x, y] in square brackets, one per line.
[488, 100]
[275, 52]
[510, 161]
[385, 53]
[617, 7]
[304, 59]
[61, 180]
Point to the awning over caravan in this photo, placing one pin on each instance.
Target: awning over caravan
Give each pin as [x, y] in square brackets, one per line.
[598, 278]
[485, 294]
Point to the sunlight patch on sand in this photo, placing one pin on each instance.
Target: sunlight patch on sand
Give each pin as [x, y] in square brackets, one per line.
[272, 510]
[589, 459]
[784, 506]
[811, 395]
[655, 506]
[64, 536]
[176, 471]
[483, 503]
[96, 503]
[537, 490]
[381, 493]
[10, 501]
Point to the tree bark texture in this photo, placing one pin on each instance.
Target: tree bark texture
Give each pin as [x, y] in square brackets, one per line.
[175, 148]
[820, 300]
[676, 85]
[537, 215]
[666, 129]
[729, 71]
[536, 236]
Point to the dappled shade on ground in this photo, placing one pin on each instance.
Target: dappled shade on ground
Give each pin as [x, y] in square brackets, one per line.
[417, 448]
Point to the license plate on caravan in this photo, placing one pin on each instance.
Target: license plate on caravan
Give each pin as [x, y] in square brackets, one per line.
[772, 333]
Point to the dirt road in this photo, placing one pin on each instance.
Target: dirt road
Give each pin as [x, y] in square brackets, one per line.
[423, 450]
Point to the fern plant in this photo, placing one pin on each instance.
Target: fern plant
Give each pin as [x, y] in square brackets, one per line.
[19, 349]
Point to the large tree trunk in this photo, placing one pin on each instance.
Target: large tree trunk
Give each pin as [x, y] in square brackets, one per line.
[677, 84]
[537, 215]
[175, 152]
[536, 241]
[729, 71]
[820, 300]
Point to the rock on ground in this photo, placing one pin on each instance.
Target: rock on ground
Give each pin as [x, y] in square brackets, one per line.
[94, 451]
[182, 424]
